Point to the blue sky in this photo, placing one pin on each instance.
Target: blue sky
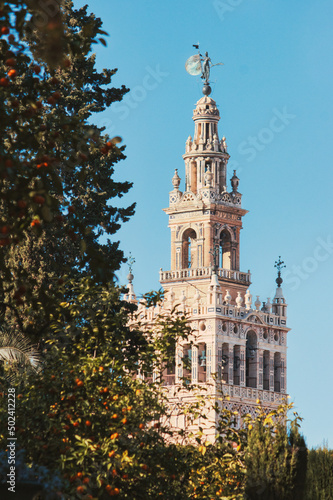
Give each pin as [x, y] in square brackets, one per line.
[275, 98]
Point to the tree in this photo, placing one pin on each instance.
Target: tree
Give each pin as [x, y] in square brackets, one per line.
[98, 425]
[275, 457]
[100, 429]
[319, 480]
[104, 431]
[56, 168]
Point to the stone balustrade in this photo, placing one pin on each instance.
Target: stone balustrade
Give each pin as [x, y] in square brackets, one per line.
[184, 274]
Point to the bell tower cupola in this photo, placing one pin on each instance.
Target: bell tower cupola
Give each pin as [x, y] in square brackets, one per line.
[206, 152]
[206, 219]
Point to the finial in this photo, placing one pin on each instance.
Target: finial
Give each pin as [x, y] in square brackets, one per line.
[248, 300]
[130, 263]
[268, 305]
[227, 297]
[279, 265]
[239, 300]
[234, 182]
[201, 65]
[176, 180]
[257, 303]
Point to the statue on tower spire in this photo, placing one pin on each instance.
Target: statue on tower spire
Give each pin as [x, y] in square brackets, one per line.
[201, 65]
[206, 65]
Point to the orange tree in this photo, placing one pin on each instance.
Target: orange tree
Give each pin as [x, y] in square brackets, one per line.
[56, 166]
[88, 418]
[86, 415]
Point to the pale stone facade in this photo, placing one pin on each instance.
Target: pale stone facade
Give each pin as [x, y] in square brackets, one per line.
[236, 345]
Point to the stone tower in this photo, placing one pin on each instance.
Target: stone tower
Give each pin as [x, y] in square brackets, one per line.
[238, 345]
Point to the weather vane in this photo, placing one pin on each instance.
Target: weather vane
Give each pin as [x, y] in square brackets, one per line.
[130, 262]
[279, 266]
[201, 65]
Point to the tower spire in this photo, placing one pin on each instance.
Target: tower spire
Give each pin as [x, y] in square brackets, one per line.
[279, 303]
[130, 295]
[279, 264]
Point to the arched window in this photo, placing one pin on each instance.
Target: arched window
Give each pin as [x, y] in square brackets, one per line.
[225, 250]
[189, 248]
[251, 359]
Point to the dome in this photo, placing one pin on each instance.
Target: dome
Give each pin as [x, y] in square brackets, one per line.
[206, 106]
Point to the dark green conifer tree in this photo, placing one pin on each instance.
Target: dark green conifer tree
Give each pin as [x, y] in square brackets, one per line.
[275, 460]
[319, 480]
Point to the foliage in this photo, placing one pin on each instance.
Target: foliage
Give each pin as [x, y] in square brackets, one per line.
[18, 356]
[319, 481]
[95, 416]
[218, 469]
[275, 457]
[105, 431]
[98, 424]
[56, 167]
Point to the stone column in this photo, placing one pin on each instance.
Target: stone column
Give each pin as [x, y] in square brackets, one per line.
[208, 361]
[179, 364]
[242, 366]
[214, 357]
[208, 244]
[283, 374]
[200, 243]
[194, 365]
[271, 371]
[260, 375]
[231, 364]
[178, 257]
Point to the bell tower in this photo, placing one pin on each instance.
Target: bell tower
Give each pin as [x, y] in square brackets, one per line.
[237, 348]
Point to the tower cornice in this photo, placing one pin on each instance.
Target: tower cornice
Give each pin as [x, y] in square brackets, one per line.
[206, 154]
[214, 210]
